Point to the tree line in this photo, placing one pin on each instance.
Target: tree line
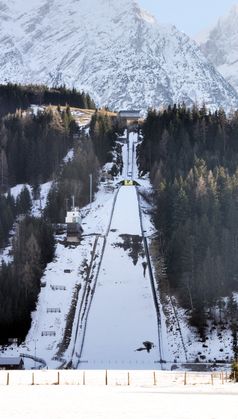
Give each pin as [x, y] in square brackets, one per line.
[33, 146]
[192, 158]
[15, 96]
[10, 209]
[90, 153]
[32, 149]
[33, 248]
[73, 181]
[103, 132]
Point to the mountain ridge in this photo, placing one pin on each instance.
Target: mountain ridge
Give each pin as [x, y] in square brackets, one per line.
[220, 46]
[116, 51]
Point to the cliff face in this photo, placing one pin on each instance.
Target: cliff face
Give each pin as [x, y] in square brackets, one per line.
[220, 46]
[114, 50]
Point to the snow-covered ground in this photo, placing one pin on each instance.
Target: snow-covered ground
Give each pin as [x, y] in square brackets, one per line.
[96, 304]
[61, 402]
[38, 204]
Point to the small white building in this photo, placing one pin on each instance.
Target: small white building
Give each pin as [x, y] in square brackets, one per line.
[74, 220]
[73, 216]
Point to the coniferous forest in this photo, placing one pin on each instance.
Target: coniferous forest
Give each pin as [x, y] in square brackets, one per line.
[14, 96]
[192, 158]
[34, 145]
[32, 148]
[33, 248]
[103, 131]
[73, 181]
[90, 153]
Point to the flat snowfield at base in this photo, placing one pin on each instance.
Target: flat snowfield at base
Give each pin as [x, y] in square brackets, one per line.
[71, 402]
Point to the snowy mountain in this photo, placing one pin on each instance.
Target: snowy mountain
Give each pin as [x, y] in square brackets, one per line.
[220, 45]
[114, 50]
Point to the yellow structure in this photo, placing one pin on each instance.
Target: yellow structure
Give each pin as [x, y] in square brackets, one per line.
[128, 183]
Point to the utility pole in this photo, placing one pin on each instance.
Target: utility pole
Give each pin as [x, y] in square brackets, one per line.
[35, 352]
[90, 189]
[2, 166]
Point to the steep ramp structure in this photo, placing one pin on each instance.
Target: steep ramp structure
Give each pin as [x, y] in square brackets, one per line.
[122, 329]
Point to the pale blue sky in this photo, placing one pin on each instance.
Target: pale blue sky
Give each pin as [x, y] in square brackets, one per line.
[190, 16]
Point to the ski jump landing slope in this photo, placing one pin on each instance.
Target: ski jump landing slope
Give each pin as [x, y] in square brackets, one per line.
[122, 316]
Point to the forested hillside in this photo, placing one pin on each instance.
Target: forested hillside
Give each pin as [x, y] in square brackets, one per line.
[33, 248]
[192, 158]
[90, 153]
[10, 209]
[33, 145]
[103, 129]
[14, 96]
[73, 181]
[32, 149]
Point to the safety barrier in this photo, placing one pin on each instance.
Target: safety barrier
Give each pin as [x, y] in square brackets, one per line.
[48, 333]
[87, 308]
[53, 310]
[112, 378]
[152, 281]
[58, 287]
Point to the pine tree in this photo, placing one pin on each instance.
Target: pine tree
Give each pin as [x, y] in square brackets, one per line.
[24, 202]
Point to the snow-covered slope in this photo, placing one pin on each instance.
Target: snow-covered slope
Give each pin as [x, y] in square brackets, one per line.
[220, 45]
[111, 48]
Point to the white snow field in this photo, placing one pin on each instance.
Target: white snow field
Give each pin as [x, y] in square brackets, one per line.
[74, 402]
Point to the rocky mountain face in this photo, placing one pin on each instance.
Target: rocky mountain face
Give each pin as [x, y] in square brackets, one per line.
[112, 49]
[220, 46]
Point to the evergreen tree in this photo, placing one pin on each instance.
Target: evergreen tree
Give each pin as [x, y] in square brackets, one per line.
[24, 202]
[192, 157]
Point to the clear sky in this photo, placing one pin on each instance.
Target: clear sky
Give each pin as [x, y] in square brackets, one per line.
[190, 16]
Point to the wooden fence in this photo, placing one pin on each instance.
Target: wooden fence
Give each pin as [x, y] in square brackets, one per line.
[112, 378]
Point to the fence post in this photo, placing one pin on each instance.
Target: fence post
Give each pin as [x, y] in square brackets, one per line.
[58, 378]
[154, 375]
[185, 378]
[222, 377]
[84, 378]
[33, 379]
[8, 379]
[212, 379]
[128, 379]
[106, 381]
